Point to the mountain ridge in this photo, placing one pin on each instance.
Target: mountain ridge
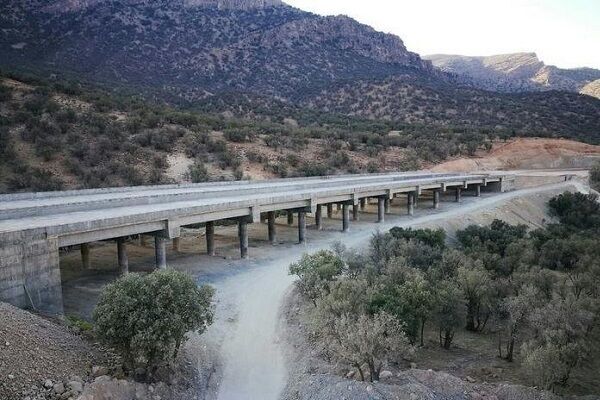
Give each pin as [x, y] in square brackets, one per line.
[514, 72]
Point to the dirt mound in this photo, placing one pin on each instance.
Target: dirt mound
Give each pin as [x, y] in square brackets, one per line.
[526, 153]
[34, 350]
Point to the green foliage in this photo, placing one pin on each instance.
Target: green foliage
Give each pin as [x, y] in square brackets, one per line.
[538, 292]
[494, 239]
[595, 176]
[316, 272]
[577, 210]
[430, 237]
[448, 311]
[198, 172]
[146, 317]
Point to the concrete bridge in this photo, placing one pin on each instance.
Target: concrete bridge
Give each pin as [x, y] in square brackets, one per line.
[34, 226]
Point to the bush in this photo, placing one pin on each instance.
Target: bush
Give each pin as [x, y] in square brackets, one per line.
[316, 271]
[146, 317]
[198, 172]
[595, 176]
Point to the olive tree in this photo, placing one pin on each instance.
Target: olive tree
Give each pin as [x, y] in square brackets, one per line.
[146, 317]
[449, 311]
[315, 272]
[371, 340]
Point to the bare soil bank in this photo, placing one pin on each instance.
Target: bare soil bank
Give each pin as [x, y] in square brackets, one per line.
[527, 153]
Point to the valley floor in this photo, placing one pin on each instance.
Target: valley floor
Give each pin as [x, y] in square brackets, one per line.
[255, 348]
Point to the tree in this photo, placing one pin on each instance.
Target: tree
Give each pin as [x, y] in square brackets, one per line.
[515, 310]
[316, 272]
[475, 283]
[595, 176]
[371, 340]
[412, 303]
[449, 311]
[561, 338]
[146, 317]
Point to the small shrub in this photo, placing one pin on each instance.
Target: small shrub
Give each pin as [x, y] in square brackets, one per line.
[146, 317]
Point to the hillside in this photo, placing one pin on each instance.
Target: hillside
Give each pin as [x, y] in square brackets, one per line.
[554, 114]
[518, 72]
[192, 49]
[207, 53]
[60, 135]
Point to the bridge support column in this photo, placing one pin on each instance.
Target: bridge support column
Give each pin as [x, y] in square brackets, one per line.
[338, 207]
[380, 209]
[290, 217]
[243, 236]
[355, 213]
[85, 256]
[122, 256]
[410, 203]
[142, 240]
[363, 204]
[319, 217]
[458, 195]
[160, 252]
[301, 226]
[436, 199]
[330, 211]
[30, 272]
[271, 227]
[478, 190]
[345, 218]
[176, 243]
[387, 205]
[210, 238]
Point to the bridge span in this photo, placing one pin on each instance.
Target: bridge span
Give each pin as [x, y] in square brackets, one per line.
[34, 226]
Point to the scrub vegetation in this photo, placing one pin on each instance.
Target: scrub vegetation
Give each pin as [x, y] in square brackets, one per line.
[532, 294]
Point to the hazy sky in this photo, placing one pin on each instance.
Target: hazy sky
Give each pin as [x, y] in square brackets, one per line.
[565, 33]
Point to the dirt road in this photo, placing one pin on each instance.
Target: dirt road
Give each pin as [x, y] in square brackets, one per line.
[244, 339]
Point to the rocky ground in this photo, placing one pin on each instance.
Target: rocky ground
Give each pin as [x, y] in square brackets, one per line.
[40, 359]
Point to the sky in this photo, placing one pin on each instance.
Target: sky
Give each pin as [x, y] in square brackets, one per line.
[565, 33]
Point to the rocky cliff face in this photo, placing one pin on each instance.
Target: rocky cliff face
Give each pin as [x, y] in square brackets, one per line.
[193, 48]
[519, 72]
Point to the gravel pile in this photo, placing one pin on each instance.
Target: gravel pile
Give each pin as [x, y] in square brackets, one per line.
[40, 359]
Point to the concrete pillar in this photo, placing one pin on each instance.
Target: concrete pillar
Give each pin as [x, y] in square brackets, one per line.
[363, 204]
[122, 256]
[345, 218]
[478, 190]
[243, 236]
[355, 213]
[410, 203]
[416, 199]
[436, 198]
[176, 243]
[271, 226]
[380, 209]
[330, 211]
[301, 226]
[338, 207]
[143, 240]
[160, 252]
[210, 238]
[290, 217]
[457, 195]
[387, 205]
[319, 217]
[85, 256]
